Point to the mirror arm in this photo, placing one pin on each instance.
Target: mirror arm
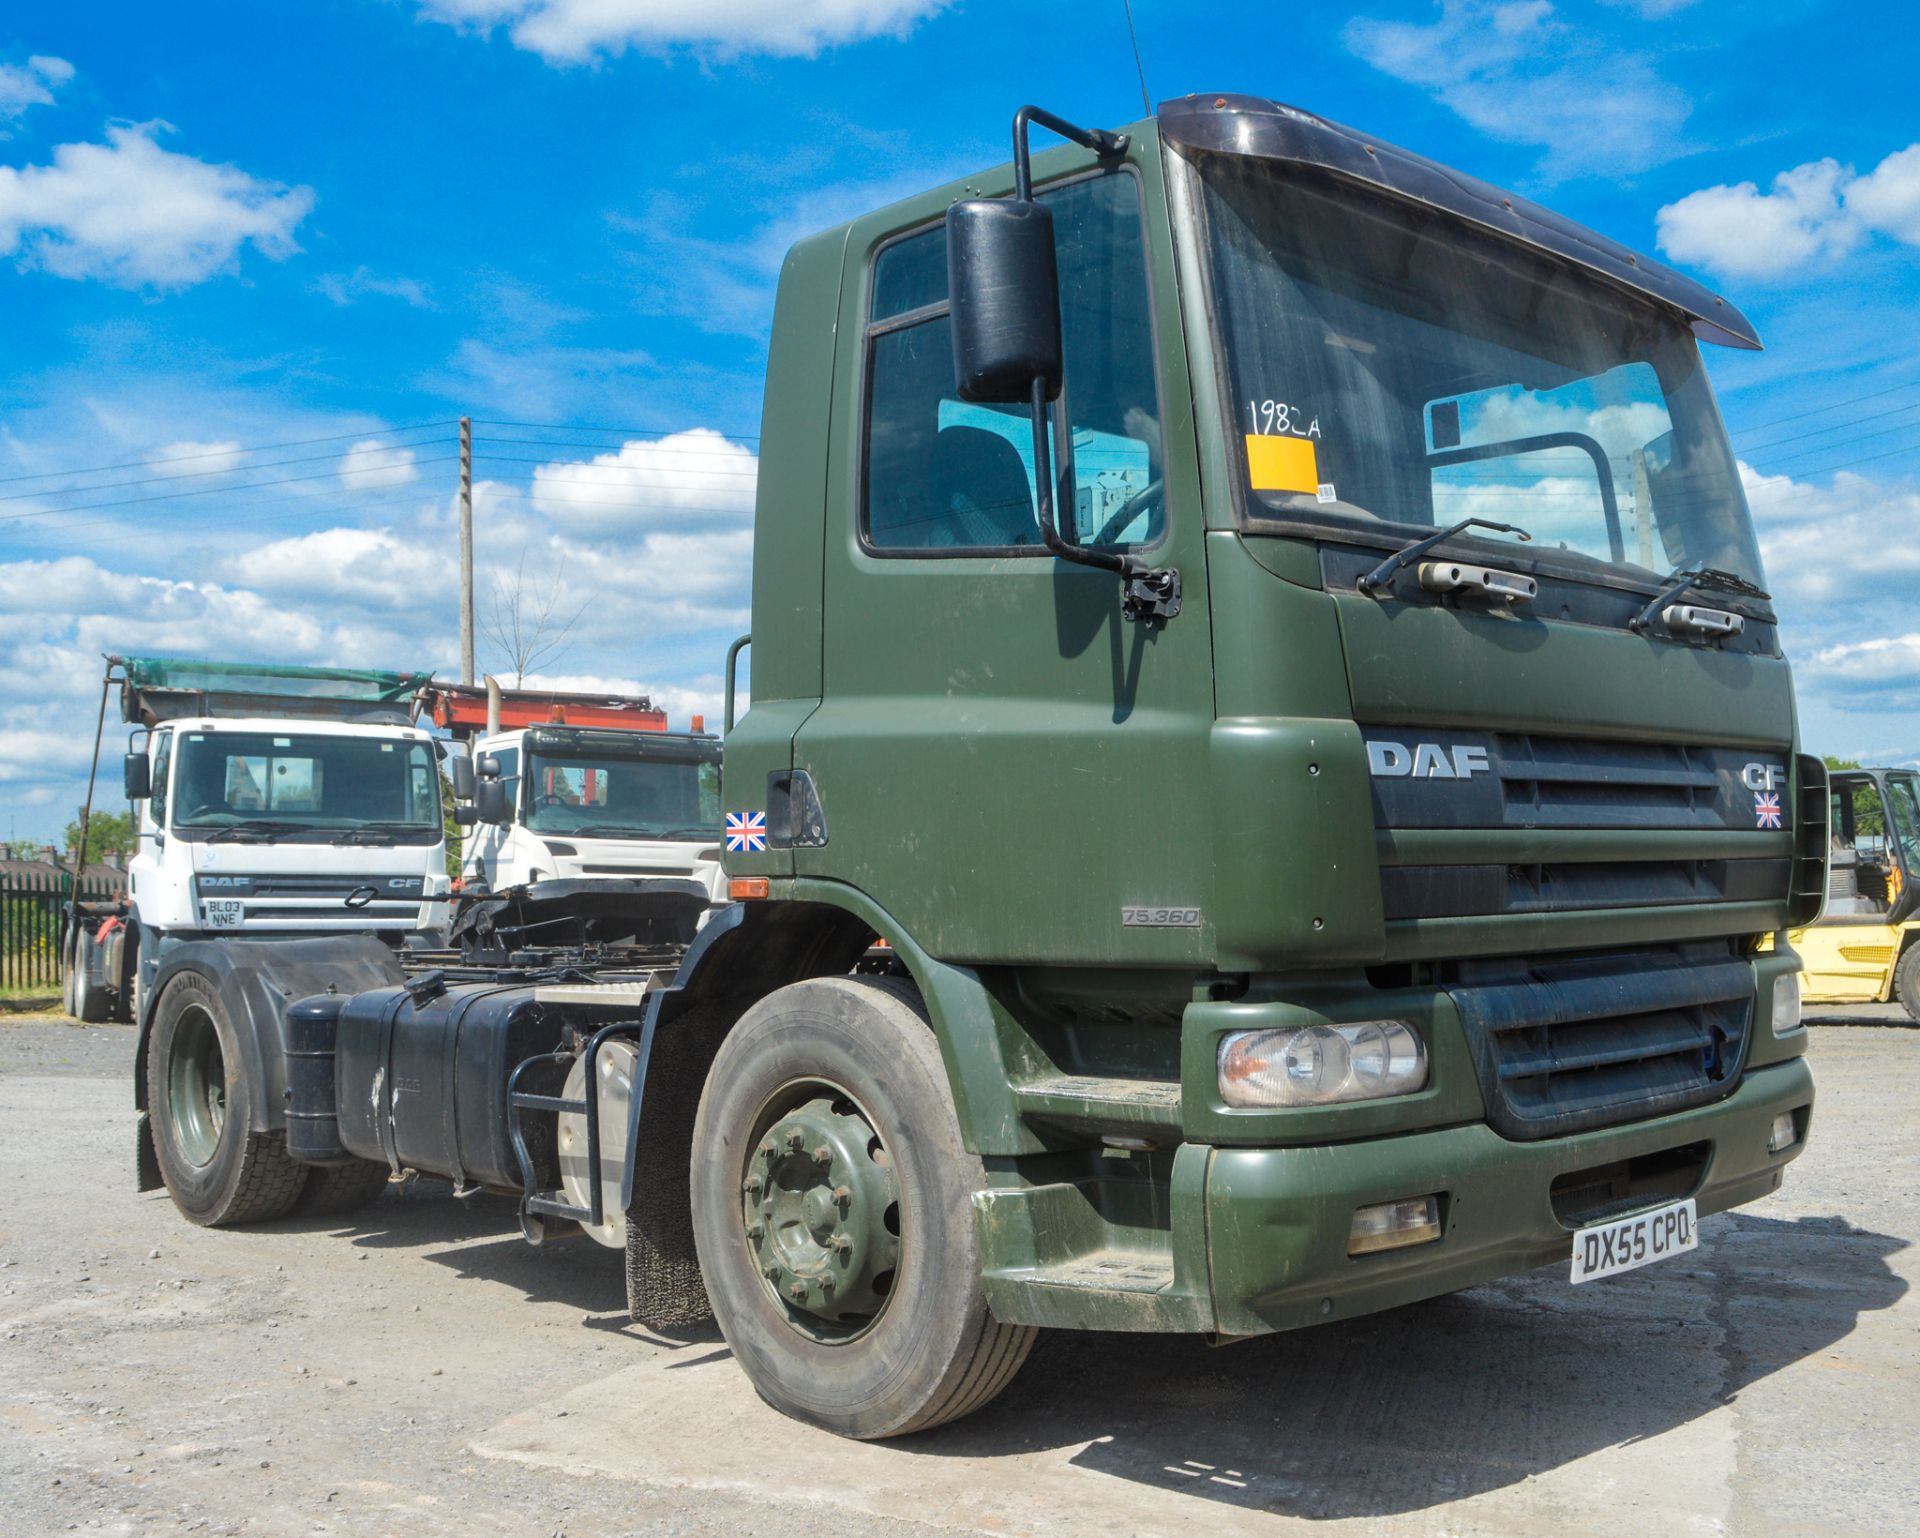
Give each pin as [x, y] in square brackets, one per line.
[1151, 594]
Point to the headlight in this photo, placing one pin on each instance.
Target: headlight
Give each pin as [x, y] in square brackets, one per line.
[1786, 1003]
[1321, 1064]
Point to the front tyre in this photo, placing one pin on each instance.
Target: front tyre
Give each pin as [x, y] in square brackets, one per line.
[87, 1001]
[1906, 981]
[832, 1212]
[219, 1170]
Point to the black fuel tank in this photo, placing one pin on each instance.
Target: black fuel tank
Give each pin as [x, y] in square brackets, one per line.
[421, 1077]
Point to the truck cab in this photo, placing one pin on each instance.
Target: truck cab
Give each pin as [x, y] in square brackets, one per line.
[579, 803]
[304, 813]
[1863, 950]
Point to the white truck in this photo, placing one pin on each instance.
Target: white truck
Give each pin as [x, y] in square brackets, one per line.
[557, 802]
[268, 802]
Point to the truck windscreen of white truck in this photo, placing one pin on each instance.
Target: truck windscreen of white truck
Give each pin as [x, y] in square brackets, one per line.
[304, 788]
[1395, 370]
[582, 795]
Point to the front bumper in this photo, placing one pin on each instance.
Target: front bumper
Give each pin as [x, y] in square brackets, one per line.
[1278, 1219]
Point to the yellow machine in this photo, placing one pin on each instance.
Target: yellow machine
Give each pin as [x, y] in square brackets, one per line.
[1863, 949]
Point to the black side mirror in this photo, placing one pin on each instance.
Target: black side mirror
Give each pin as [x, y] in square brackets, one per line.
[490, 801]
[487, 767]
[1003, 286]
[465, 815]
[137, 773]
[460, 771]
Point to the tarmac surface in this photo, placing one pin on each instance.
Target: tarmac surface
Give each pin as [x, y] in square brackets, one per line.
[418, 1369]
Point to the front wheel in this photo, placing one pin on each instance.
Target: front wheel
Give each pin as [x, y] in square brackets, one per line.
[1906, 981]
[832, 1212]
[218, 1168]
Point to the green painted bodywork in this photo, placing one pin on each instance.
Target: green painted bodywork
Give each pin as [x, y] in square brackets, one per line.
[1004, 764]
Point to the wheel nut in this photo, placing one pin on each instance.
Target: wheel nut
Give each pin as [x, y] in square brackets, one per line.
[843, 1194]
[840, 1244]
[754, 1183]
[794, 1140]
[770, 1270]
[798, 1292]
[767, 1150]
[755, 1230]
[823, 1155]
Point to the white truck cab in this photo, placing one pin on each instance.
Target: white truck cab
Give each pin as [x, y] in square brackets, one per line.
[559, 802]
[296, 815]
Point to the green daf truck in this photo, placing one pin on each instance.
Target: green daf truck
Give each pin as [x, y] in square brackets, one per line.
[1271, 792]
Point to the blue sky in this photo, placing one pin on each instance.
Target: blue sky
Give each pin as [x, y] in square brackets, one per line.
[323, 232]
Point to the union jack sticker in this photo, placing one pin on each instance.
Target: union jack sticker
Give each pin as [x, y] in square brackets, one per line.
[1766, 808]
[747, 831]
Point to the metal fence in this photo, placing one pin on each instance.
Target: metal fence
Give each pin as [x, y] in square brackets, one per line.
[33, 916]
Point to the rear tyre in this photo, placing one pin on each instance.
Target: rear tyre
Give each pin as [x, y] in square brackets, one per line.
[833, 1215]
[1906, 981]
[219, 1170]
[89, 1000]
[334, 1189]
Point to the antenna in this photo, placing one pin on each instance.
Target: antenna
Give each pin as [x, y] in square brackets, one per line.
[1133, 37]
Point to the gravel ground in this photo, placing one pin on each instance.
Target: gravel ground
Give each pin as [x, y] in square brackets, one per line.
[367, 1375]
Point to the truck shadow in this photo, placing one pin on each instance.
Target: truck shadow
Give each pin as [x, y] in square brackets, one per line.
[1448, 1399]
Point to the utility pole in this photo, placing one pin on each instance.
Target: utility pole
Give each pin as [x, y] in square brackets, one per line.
[466, 550]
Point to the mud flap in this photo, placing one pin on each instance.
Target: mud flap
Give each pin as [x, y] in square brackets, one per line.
[146, 1162]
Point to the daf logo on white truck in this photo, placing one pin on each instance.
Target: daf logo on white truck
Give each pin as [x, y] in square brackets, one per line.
[1426, 761]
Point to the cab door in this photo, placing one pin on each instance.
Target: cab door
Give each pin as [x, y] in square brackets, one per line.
[1004, 763]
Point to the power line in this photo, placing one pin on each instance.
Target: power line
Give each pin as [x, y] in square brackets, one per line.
[214, 491]
[196, 475]
[1834, 427]
[1824, 448]
[1799, 416]
[180, 459]
[631, 432]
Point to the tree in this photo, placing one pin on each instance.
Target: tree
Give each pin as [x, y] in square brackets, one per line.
[107, 833]
[526, 622]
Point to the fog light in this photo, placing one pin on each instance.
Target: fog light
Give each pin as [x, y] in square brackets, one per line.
[1786, 1003]
[1784, 1134]
[1394, 1225]
[1321, 1064]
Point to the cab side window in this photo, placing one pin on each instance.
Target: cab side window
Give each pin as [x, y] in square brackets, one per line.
[510, 778]
[162, 767]
[944, 474]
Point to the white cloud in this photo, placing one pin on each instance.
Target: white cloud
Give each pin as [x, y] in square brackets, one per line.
[688, 480]
[197, 458]
[345, 288]
[1814, 212]
[30, 85]
[1516, 72]
[574, 31]
[135, 215]
[1834, 544]
[371, 569]
[371, 465]
[1652, 10]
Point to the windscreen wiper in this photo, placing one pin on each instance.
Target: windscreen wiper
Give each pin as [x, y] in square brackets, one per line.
[377, 832]
[1382, 575]
[261, 827]
[1686, 579]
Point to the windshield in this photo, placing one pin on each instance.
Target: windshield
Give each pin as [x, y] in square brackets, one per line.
[1394, 370]
[592, 795]
[299, 785]
[1903, 808]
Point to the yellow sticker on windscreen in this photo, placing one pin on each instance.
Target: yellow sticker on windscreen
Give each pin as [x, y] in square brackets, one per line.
[1276, 463]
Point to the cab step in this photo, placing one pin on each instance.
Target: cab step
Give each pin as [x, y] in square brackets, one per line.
[1127, 1107]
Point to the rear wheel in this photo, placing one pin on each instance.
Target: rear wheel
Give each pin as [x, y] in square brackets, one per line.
[833, 1215]
[218, 1168]
[86, 999]
[1906, 981]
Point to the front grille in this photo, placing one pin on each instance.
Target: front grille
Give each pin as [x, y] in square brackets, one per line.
[1521, 780]
[332, 913]
[1452, 891]
[290, 886]
[1566, 1043]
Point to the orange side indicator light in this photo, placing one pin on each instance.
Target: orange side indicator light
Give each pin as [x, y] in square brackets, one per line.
[744, 888]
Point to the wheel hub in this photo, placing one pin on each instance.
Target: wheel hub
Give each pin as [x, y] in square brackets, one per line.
[821, 1209]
